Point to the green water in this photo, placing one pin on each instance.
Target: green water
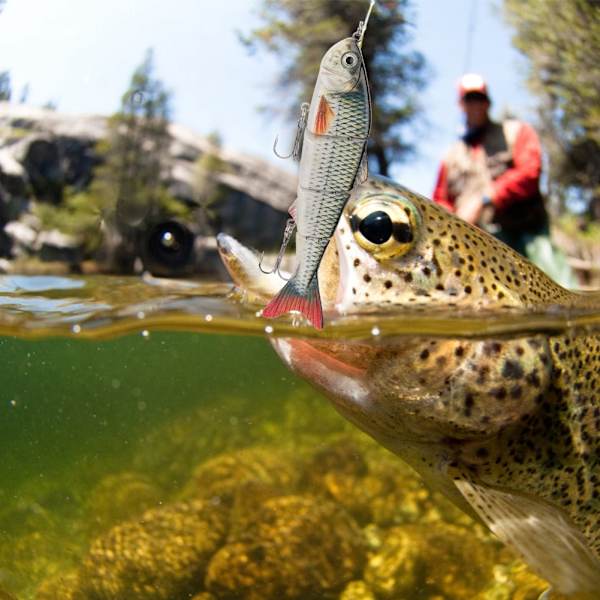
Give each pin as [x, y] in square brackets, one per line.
[123, 396]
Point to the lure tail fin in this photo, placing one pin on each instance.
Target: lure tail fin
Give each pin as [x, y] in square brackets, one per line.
[291, 298]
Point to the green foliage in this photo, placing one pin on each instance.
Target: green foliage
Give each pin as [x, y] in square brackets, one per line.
[561, 39]
[5, 88]
[300, 33]
[79, 215]
[130, 180]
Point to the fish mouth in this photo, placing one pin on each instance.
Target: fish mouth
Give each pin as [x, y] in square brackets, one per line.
[244, 267]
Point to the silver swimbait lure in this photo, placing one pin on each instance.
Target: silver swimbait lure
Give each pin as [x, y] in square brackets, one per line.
[334, 133]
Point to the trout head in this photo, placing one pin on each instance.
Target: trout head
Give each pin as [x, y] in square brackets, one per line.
[394, 249]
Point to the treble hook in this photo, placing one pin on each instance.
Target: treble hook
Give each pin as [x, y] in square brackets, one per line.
[287, 234]
[300, 127]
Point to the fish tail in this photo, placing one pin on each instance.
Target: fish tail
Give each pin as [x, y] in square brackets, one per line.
[291, 298]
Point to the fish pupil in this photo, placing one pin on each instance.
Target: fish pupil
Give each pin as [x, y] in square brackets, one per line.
[377, 227]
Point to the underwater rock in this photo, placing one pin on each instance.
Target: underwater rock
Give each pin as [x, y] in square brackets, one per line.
[357, 590]
[513, 581]
[120, 496]
[371, 484]
[60, 587]
[4, 595]
[432, 558]
[160, 556]
[222, 476]
[295, 547]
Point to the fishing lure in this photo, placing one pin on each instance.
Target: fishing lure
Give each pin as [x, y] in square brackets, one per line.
[330, 144]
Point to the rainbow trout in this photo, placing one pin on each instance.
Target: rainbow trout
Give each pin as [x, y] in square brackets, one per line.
[334, 147]
[507, 428]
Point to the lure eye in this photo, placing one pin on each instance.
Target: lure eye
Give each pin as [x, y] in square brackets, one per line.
[350, 60]
[384, 226]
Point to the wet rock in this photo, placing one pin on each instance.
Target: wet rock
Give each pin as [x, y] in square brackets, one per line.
[431, 558]
[60, 587]
[373, 486]
[161, 556]
[295, 547]
[514, 581]
[4, 595]
[119, 497]
[357, 590]
[221, 477]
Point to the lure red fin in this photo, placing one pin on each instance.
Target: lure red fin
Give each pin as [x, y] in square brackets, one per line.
[291, 298]
[324, 116]
[292, 210]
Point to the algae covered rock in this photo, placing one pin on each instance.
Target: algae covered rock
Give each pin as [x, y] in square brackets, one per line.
[221, 477]
[294, 547]
[439, 559]
[161, 556]
[60, 587]
[119, 497]
[357, 590]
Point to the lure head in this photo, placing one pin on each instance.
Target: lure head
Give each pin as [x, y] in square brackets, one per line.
[341, 66]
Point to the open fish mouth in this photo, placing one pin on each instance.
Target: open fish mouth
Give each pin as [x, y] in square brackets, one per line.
[242, 264]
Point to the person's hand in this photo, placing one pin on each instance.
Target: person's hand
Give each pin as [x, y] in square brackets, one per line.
[470, 209]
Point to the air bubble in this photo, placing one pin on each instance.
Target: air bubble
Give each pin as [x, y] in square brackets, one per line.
[269, 329]
[208, 318]
[375, 331]
[76, 328]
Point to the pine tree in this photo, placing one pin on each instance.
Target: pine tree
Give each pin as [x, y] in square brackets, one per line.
[561, 39]
[301, 32]
[137, 147]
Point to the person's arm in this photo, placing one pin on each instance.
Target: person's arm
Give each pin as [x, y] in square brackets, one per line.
[522, 180]
[440, 192]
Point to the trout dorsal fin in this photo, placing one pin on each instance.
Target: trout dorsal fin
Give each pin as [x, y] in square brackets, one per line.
[540, 532]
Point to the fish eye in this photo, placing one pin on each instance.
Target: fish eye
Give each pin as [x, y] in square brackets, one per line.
[377, 227]
[385, 227]
[349, 60]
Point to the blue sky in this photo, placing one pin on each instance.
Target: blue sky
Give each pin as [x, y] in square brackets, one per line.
[81, 54]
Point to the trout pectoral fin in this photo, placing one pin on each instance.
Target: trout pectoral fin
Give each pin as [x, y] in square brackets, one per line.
[540, 532]
[324, 116]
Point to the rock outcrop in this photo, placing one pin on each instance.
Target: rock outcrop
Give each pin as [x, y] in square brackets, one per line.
[43, 151]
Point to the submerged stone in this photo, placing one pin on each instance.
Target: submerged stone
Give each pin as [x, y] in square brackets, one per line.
[161, 556]
[295, 547]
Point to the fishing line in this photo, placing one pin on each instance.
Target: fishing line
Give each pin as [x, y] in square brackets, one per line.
[470, 35]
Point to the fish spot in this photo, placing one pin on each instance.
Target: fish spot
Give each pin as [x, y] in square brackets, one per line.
[499, 393]
[512, 369]
[356, 262]
[424, 354]
[388, 284]
[367, 277]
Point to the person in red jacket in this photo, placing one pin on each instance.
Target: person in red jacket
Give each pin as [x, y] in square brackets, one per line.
[490, 177]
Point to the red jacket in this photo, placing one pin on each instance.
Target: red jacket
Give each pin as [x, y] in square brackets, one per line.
[517, 183]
